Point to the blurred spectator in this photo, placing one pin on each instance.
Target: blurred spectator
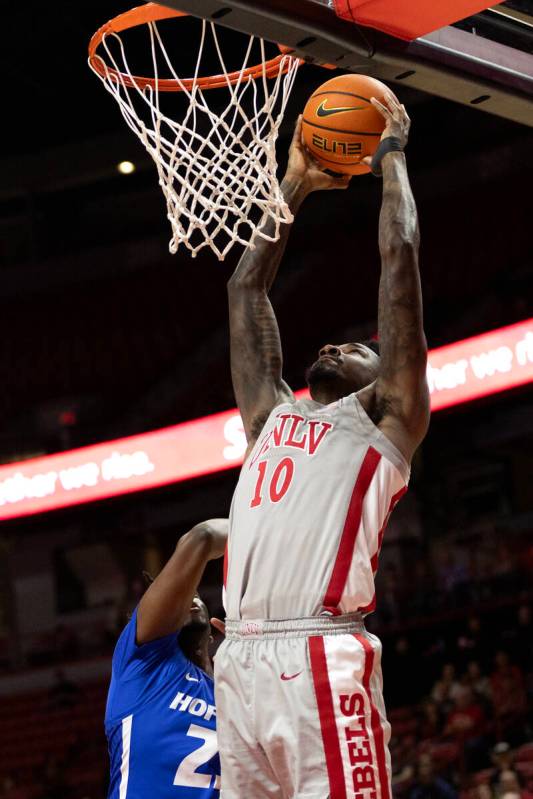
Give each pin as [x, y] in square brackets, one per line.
[64, 693]
[428, 785]
[431, 723]
[483, 791]
[472, 643]
[452, 575]
[508, 693]
[478, 682]
[447, 688]
[467, 719]
[466, 725]
[508, 785]
[502, 759]
[501, 756]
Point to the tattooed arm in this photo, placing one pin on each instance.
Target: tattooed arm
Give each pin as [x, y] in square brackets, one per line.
[402, 396]
[256, 358]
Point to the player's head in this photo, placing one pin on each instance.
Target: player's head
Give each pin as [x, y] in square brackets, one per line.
[344, 368]
[195, 633]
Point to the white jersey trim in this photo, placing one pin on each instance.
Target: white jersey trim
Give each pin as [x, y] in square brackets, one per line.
[383, 444]
[125, 763]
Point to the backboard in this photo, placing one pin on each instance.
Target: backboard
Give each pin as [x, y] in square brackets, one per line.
[484, 60]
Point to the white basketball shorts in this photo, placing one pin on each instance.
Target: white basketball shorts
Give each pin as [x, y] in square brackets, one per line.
[300, 711]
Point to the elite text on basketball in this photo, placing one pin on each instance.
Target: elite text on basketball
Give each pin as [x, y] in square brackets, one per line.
[338, 147]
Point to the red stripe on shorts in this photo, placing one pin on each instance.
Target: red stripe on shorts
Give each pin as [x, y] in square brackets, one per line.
[375, 721]
[330, 735]
[343, 560]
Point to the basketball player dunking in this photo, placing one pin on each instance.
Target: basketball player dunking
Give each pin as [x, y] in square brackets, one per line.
[298, 679]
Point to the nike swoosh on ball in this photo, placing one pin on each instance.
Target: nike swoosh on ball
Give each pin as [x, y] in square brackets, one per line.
[321, 111]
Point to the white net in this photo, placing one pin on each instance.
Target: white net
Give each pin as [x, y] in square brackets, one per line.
[217, 168]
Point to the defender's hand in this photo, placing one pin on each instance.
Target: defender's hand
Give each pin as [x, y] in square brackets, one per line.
[219, 625]
[397, 122]
[303, 168]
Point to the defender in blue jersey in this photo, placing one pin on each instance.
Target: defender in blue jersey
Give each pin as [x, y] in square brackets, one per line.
[160, 717]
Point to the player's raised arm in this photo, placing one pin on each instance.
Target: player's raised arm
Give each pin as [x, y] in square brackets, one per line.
[167, 603]
[401, 390]
[256, 356]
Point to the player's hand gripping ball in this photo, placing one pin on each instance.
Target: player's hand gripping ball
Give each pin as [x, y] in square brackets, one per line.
[341, 126]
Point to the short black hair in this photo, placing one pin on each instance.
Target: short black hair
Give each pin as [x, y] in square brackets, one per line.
[372, 344]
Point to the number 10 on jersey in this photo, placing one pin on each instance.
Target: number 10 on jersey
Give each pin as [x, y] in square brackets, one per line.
[274, 485]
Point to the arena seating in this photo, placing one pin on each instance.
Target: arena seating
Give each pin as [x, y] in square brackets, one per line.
[45, 748]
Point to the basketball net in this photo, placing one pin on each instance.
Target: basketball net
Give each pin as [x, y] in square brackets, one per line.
[217, 169]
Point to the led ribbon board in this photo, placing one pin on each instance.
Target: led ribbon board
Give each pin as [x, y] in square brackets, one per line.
[457, 373]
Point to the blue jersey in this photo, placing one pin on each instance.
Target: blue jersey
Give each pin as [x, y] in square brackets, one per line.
[160, 723]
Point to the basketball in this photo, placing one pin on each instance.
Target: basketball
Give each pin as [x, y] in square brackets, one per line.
[340, 125]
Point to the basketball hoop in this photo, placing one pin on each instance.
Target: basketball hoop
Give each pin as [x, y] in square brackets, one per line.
[217, 169]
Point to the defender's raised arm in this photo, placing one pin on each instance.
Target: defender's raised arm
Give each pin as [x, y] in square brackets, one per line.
[167, 602]
[401, 389]
[256, 357]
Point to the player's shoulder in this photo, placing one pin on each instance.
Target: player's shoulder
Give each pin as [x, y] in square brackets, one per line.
[151, 672]
[131, 659]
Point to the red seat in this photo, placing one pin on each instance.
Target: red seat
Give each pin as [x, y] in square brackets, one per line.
[444, 753]
[524, 754]
[404, 727]
[525, 768]
[400, 714]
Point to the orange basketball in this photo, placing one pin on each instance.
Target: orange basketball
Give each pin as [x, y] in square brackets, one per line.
[340, 125]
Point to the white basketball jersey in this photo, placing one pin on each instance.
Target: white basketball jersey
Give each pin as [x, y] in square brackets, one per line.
[309, 513]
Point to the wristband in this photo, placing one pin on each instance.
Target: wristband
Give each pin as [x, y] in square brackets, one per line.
[388, 145]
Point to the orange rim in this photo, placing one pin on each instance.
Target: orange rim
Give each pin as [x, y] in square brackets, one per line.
[152, 12]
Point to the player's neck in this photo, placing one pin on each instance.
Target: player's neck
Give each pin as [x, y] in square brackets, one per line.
[200, 657]
[204, 661]
[326, 394]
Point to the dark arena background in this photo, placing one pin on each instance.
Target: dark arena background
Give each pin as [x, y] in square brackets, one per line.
[106, 336]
